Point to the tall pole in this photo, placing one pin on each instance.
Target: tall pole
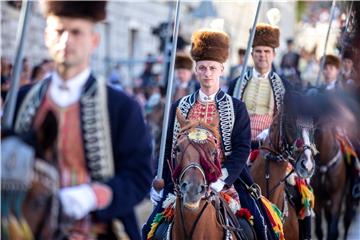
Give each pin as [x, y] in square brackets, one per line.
[159, 182]
[326, 42]
[347, 25]
[236, 93]
[167, 46]
[10, 102]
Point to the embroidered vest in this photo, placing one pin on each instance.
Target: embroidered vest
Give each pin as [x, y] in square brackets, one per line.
[225, 109]
[94, 124]
[207, 112]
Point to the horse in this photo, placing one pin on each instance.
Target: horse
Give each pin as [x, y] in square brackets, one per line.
[196, 213]
[30, 206]
[331, 183]
[288, 142]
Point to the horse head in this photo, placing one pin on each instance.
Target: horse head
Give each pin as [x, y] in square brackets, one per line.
[36, 208]
[197, 160]
[292, 134]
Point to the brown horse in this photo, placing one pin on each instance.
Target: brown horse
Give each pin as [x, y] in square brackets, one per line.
[195, 216]
[331, 183]
[31, 209]
[288, 141]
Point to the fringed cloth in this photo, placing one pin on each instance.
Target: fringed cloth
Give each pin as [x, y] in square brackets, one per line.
[306, 193]
[275, 217]
[350, 156]
[166, 215]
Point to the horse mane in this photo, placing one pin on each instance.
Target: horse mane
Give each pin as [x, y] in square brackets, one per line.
[198, 123]
[212, 169]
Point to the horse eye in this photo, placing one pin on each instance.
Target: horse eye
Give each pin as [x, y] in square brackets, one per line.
[177, 149]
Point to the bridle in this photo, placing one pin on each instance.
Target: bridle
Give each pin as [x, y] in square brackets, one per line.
[178, 181]
[288, 151]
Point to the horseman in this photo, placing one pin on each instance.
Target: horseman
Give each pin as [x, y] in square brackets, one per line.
[262, 90]
[103, 154]
[333, 86]
[209, 50]
[184, 81]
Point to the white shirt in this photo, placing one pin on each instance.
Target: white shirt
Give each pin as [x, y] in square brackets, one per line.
[259, 75]
[205, 98]
[65, 93]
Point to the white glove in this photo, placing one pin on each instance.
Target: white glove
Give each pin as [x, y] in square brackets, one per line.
[263, 134]
[78, 201]
[217, 186]
[156, 196]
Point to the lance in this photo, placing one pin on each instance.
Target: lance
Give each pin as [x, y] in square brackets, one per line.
[10, 102]
[236, 93]
[158, 183]
[332, 12]
[346, 26]
[167, 46]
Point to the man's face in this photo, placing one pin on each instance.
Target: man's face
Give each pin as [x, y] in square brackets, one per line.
[184, 75]
[209, 73]
[330, 73]
[70, 41]
[263, 57]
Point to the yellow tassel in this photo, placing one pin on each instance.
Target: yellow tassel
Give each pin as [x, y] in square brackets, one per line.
[15, 230]
[5, 228]
[26, 229]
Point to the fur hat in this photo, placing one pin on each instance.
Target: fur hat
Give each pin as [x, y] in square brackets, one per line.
[183, 60]
[347, 54]
[92, 10]
[332, 60]
[266, 35]
[241, 51]
[210, 45]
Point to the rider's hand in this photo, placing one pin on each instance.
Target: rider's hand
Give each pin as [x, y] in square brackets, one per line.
[156, 196]
[79, 201]
[217, 186]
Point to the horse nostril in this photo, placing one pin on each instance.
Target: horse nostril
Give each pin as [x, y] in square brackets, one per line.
[183, 187]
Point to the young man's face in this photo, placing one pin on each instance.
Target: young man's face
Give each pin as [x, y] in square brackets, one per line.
[70, 41]
[263, 57]
[209, 73]
[330, 73]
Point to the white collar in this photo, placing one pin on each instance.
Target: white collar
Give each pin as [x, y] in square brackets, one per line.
[258, 75]
[65, 93]
[205, 98]
[331, 85]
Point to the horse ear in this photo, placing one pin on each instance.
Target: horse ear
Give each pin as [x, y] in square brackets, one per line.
[183, 122]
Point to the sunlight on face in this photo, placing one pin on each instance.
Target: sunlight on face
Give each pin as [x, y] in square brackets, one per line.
[70, 41]
[263, 57]
[208, 74]
[330, 73]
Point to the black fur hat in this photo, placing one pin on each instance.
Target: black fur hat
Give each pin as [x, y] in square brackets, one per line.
[92, 10]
